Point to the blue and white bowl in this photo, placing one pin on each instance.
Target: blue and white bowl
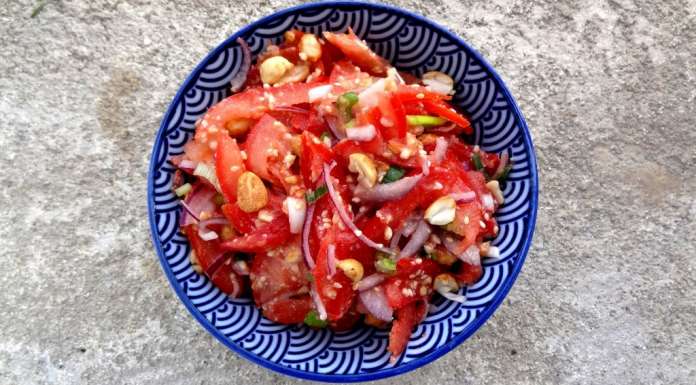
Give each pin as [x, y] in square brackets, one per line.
[411, 43]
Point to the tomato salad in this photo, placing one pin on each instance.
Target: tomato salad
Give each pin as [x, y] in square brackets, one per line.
[334, 189]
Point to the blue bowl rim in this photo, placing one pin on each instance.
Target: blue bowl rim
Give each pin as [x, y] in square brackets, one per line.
[393, 371]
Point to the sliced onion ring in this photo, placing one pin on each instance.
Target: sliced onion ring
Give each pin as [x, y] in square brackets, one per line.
[369, 282]
[332, 122]
[206, 234]
[388, 191]
[452, 296]
[240, 78]
[321, 309]
[343, 214]
[319, 92]
[417, 240]
[305, 237]
[376, 303]
[331, 259]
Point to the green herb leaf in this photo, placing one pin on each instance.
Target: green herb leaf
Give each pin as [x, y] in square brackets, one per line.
[393, 174]
[424, 120]
[312, 196]
[312, 319]
[476, 159]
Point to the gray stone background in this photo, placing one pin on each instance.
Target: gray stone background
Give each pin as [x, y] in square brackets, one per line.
[607, 295]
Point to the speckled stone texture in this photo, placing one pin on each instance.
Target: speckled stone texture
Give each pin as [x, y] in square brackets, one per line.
[608, 293]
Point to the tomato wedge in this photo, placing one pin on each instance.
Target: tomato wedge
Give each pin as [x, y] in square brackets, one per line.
[206, 253]
[336, 291]
[413, 281]
[268, 236]
[314, 155]
[266, 147]
[358, 52]
[228, 166]
[406, 319]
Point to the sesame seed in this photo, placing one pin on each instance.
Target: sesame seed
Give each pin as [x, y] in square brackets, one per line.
[420, 95]
[234, 168]
[357, 233]
[388, 233]
[466, 219]
[243, 154]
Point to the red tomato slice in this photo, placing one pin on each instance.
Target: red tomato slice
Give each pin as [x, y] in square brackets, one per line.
[273, 276]
[228, 166]
[469, 274]
[314, 156]
[392, 113]
[242, 221]
[442, 109]
[224, 278]
[358, 52]
[413, 281]
[336, 292]
[197, 152]
[251, 104]
[348, 76]
[288, 310]
[265, 237]
[406, 319]
[466, 223]
[267, 139]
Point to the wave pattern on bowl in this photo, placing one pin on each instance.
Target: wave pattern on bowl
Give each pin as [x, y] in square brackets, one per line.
[410, 45]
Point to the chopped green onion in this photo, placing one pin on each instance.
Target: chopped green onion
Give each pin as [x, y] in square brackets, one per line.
[312, 320]
[393, 174]
[312, 196]
[424, 120]
[385, 265]
[183, 189]
[502, 176]
[345, 104]
[310, 277]
[324, 135]
[478, 163]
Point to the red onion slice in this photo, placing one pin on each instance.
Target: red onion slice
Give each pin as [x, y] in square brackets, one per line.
[396, 237]
[331, 259]
[388, 191]
[241, 267]
[240, 77]
[343, 214]
[440, 150]
[292, 109]
[199, 200]
[317, 302]
[361, 133]
[206, 234]
[417, 240]
[471, 256]
[305, 237]
[376, 303]
[369, 282]
[187, 165]
[463, 197]
[411, 223]
[332, 122]
[452, 296]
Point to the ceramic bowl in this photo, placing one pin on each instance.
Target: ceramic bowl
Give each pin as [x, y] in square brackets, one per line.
[414, 44]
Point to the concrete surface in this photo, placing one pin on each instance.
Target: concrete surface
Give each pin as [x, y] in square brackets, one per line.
[608, 295]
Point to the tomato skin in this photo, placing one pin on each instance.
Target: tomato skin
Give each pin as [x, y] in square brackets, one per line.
[413, 281]
[312, 160]
[228, 166]
[442, 109]
[358, 52]
[288, 310]
[224, 278]
[268, 236]
[466, 223]
[268, 134]
[406, 319]
[197, 152]
[336, 292]
[391, 109]
[469, 274]
[242, 221]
